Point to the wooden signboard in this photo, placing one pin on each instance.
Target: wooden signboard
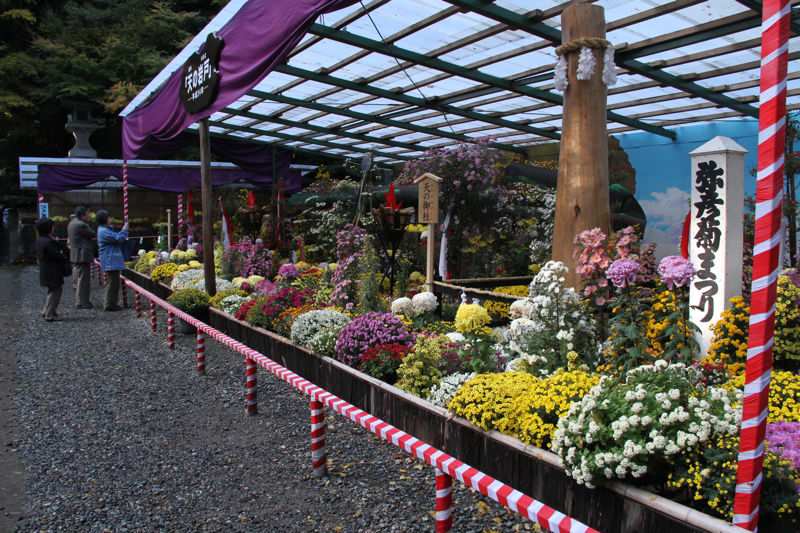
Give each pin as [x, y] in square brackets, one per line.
[428, 213]
[428, 209]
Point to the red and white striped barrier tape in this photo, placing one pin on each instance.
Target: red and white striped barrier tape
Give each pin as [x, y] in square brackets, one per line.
[776, 16]
[530, 508]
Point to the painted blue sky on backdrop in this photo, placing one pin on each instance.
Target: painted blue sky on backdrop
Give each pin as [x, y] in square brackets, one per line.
[663, 173]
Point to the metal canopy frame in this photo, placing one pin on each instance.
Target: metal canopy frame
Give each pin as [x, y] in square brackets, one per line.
[398, 77]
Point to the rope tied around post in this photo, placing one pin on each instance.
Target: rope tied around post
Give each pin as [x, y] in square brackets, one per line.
[586, 61]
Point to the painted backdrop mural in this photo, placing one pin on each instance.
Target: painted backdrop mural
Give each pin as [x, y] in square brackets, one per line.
[663, 173]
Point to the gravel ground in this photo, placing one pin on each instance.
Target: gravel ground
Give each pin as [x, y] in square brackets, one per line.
[118, 433]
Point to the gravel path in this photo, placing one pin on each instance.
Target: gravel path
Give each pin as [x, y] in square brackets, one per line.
[118, 433]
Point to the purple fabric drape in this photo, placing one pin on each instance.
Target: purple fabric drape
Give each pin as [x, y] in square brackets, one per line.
[257, 38]
[59, 178]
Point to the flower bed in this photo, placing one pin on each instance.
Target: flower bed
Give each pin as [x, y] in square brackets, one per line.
[605, 376]
[612, 508]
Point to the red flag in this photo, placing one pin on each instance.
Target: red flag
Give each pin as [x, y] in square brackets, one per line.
[391, 199]
[685, 235]
[190, 207]
[251, 200]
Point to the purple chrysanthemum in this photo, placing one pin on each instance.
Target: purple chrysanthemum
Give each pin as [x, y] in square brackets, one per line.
[783, 438]
[369, 330]
[623, 272]
[288, 271]
[676, 271]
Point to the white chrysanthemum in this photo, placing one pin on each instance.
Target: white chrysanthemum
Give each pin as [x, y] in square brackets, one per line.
[442, 393]
[309, 327]
[424, 302]
[403, 306]
[455, 336]
[521, 309]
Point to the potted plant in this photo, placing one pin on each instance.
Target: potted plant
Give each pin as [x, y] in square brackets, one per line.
[192, 301]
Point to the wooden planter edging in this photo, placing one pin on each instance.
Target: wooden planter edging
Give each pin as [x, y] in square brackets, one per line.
[616, 508]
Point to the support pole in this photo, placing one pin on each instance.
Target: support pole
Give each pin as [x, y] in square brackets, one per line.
[124, 296]
[275, 236]
[137, 304]
[181, 221]
[444, 502]
[582, 194]
[200, 353]
[170, 330]
[169, 229]
[153, 317]
[208, 203]
[250, 392]
[319, 458]
[766, 260]
[125, 191]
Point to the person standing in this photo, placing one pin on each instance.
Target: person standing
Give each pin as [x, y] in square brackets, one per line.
[112, 257]
[81, 255]
[53, 266]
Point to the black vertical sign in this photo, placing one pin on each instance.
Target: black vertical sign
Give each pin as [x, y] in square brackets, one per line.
[200, 79]
[708, 182]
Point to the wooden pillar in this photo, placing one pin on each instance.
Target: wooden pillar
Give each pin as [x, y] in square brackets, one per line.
[275, 185]
[582, 200]
[207, 202]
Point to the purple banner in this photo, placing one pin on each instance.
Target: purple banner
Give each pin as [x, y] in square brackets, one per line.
[59, 178]
[257, 39]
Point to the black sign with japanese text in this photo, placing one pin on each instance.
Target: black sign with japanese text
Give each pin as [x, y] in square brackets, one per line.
[200, 80]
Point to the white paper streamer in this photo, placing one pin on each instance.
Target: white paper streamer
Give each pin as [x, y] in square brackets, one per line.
[609, 68]
[560, 78]
[443, 247]
[586, 64]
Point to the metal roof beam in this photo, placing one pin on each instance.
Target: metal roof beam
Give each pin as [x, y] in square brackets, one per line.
[320, 129]
[280, 98]
[470, 74]
[520, 22]
[428, 103]
[756, 6]
[294, 138]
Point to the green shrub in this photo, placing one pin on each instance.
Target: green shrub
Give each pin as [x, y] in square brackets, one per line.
[191, 301]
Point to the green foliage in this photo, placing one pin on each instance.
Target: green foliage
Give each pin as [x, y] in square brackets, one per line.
[189, 300]
[368, 291]
[419, 371]
[94, 52]
[215, 300]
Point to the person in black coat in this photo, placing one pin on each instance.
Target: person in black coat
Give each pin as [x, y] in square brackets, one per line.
[53, 266]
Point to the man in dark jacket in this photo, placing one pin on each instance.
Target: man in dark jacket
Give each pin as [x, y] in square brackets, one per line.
[81, 255]
[52, 267]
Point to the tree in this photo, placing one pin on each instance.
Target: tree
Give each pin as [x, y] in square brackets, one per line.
[96, 52]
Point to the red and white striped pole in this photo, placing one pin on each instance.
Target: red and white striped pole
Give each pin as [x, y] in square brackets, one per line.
[153, 319]
[250, 393]
[319, 458]
[170, 330]
[444, 502]
[766, 260]
[125, 191]
[137, 304]
[200, 353]
[180, 216]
